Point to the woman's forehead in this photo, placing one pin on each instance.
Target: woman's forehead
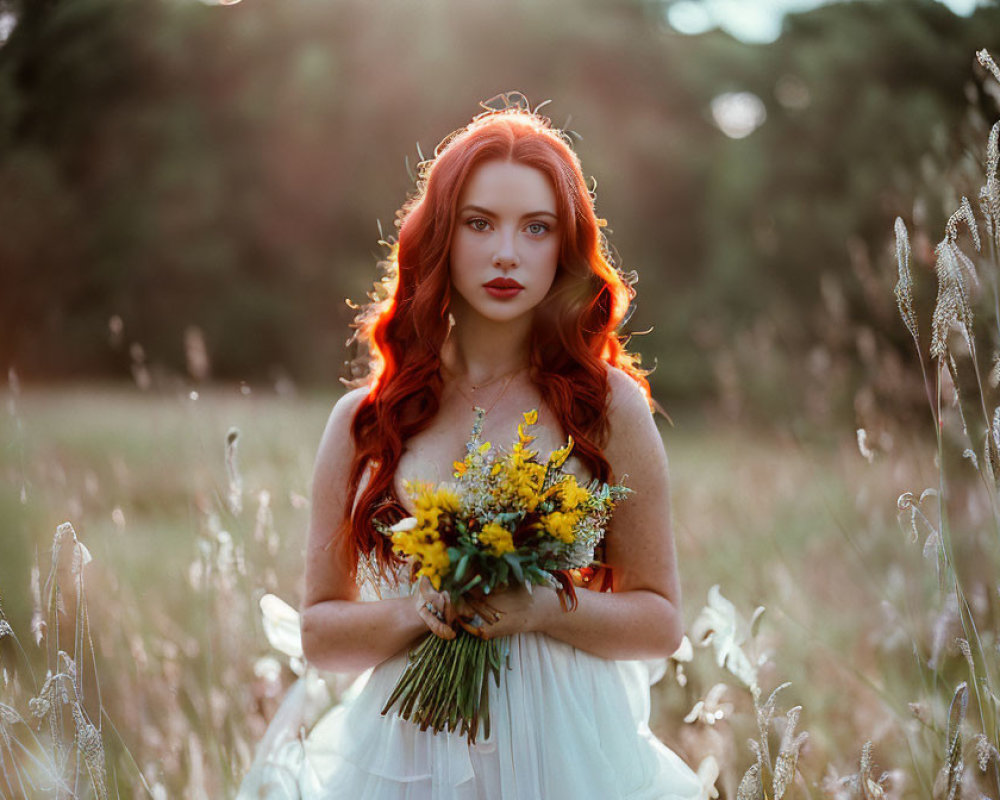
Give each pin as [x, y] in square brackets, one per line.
[505, 186]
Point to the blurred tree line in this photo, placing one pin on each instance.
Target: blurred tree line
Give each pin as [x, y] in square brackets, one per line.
[172, 171]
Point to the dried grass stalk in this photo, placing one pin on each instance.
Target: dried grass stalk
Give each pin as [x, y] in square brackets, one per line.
[904, 285]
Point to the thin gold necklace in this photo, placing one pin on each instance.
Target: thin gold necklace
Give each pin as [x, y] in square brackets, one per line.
[476, 387]
[503, 391]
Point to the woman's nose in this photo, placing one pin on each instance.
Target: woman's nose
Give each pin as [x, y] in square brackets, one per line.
[506, 256]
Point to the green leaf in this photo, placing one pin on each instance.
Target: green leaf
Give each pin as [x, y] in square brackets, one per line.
[515, 565]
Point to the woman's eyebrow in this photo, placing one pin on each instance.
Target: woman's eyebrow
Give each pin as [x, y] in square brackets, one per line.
[488, 213]
[477, 209]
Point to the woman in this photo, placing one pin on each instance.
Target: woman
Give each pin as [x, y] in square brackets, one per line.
[504, 299]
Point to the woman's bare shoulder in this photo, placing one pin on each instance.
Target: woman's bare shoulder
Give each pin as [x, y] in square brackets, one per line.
[345, 408]
[632, 430]
[336, 444]
[625, 396]
[328, 573]
[332, 470]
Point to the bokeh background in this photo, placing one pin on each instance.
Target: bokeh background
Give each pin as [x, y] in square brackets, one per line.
[172, 166]
[190, 194]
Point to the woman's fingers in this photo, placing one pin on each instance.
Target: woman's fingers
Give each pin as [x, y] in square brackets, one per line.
[484, 610]
[425, 587]
[483, 616]
[442, 605]
[472, 604]
[476, 614]
[475, 626]
[478, 618]
[435, 609]
[434, 618]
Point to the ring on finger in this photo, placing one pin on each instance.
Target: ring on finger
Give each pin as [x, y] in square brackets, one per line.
[434, 611]
[489, 615]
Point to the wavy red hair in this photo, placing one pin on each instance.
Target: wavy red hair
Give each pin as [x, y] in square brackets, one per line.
[574, 334]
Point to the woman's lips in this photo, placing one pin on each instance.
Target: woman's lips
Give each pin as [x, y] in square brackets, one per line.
[503, 288]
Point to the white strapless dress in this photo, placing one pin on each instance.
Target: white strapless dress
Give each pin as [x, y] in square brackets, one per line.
[565, 725]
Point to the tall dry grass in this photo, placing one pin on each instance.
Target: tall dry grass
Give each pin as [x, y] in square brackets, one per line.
[963, 551]
[943, 702]
[841, 590]
[174, 675]
[187, 526]
[186, 533]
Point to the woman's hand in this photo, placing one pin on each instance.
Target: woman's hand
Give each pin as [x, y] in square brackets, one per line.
[507, 611]
[435, 609]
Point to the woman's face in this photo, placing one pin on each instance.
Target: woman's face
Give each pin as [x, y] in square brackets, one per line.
[505, 247]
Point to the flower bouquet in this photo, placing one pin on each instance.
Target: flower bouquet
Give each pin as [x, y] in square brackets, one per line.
[508, 518]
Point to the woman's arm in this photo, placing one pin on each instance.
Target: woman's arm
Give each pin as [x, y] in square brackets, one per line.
[642, 617]
[339, 633]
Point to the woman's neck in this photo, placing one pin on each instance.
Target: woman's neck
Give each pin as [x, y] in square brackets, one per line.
[481, 350]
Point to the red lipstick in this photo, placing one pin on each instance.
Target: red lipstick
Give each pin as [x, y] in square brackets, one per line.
[503, 288]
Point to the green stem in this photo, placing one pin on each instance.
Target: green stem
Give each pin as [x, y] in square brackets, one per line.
[435, 687]
[448, 701]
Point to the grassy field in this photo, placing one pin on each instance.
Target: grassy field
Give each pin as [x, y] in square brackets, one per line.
[183, 549]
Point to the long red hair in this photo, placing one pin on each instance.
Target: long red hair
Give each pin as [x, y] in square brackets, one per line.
[574, 333]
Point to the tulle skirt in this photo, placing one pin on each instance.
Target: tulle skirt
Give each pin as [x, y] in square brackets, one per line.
[565, 725]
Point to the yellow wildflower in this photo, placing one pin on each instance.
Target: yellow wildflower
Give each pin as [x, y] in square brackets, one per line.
[529, 483]
[523, 438]
[431, 503]
[522, 483]
[434, 562]
[460, 468]
[424, 546]
[411, 542]
[558, 457]
[428, 518]
[447, 499]
[560, 525]
[497, 538]
[571, 494]
[401, 541]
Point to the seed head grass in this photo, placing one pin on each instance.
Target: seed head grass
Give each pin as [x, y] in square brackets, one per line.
[172, 600]
[147, 671]
[904, 286]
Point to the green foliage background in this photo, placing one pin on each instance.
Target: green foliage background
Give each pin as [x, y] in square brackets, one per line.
[179, 164]
[175, 164]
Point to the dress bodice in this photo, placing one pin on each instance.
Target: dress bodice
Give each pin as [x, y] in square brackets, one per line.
[374, 584]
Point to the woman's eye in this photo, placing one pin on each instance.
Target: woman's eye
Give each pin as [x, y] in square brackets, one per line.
[537, 228]
[478, 224]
